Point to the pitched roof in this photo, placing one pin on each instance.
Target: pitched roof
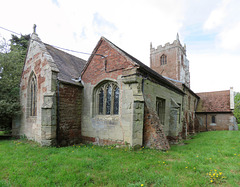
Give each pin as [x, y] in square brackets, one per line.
[148, 70]
[218, 101]
[70, 67]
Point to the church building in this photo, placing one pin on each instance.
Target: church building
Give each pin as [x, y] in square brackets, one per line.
[113, 98]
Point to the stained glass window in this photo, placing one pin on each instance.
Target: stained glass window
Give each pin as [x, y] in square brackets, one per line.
[101, 97]
[116, 101]
[33, 96]
[108, 99]
[108, 104]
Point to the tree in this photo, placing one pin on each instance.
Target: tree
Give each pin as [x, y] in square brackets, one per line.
[12, 55]
[236, 111]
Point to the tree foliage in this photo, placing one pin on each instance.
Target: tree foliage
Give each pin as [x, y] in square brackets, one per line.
[237, 107]
[12, 55]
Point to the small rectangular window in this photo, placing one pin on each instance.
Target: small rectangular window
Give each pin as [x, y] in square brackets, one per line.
[160, 108]
[189, 102]
[179, 113]
[213, 119]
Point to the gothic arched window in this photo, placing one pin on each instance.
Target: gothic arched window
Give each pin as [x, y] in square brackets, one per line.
[107, 99]
[32, 96]
[163, 59]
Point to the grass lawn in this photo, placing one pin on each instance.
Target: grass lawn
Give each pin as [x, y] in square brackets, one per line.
[209, 158]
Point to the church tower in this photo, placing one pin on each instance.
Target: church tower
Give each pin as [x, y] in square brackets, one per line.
[170, 61]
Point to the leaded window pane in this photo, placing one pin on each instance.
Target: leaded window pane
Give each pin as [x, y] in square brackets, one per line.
[108, 103]
[31, 105]
[116, 101]
[33, 96]
[101, 97]
[108, 99]
[34, 99]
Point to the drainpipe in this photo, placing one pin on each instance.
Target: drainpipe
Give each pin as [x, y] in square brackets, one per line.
[183, 110]
[58, 120]
[143, 79]
[206, 123]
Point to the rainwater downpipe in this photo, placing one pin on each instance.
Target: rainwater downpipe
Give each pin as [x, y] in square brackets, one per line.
[143, 79]
[183, 110]
[58, 120]
[206, 123]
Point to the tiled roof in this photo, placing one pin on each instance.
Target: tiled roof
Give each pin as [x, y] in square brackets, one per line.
[70, 67]
[218, 101]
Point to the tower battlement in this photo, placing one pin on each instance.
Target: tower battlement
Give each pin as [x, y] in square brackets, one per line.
[170, 60]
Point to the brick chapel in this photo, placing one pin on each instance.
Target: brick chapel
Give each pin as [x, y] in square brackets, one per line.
[113, 98]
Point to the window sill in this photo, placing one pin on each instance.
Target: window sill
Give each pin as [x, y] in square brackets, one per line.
[107, 117]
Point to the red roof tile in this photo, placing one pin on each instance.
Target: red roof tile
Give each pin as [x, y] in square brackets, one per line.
[214, 101]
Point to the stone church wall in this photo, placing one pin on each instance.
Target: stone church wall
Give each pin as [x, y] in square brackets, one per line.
[36, 127]
[126, 127]
[172, 125]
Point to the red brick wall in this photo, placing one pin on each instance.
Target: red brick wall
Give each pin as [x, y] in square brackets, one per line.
[70, 106]
[170, 69]
[153, 135]
[114, 64]
[222, 121]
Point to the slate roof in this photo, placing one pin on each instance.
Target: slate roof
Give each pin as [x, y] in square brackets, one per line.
[148, 70]
[69, 66]
[218, 101]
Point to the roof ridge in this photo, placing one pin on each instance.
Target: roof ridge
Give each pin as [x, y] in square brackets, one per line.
[145, 67]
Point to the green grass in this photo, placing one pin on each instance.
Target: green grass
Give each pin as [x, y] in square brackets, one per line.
[7, 132]
[24, 163]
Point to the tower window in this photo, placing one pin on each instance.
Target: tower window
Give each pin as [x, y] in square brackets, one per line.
[163, 59]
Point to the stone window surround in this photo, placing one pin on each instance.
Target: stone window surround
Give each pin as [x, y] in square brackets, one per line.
[32, 96]
[103, 86]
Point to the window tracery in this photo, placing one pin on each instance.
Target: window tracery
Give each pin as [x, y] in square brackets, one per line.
[107, 99]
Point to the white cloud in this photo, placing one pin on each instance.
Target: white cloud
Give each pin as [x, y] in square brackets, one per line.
[212, 72]
[229, 37]
[132, 25]
[217, 16]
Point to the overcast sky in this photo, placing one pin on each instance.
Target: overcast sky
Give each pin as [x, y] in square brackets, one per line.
[209, 28]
